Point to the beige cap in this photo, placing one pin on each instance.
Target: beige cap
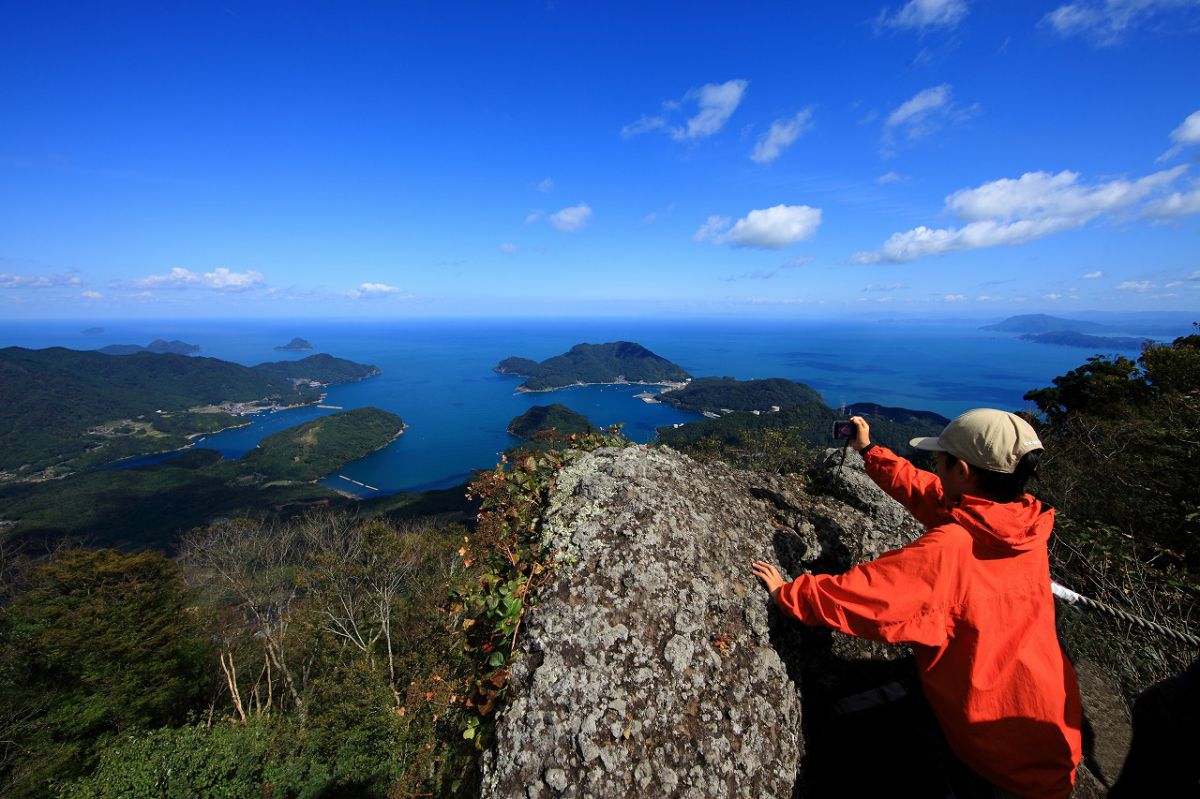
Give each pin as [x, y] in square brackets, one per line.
[987, 438]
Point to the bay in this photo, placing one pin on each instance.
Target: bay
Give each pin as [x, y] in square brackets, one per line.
[437, 373]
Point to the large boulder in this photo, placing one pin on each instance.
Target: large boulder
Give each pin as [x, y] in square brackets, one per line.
[651, 664]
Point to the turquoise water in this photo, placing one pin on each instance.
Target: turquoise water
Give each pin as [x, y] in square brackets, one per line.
[437, 374]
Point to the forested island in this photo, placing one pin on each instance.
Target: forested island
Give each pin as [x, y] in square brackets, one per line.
[546, 418]
[716, 394]
[295, 345]
[1071, 338]
[63, 410]
[616, 362]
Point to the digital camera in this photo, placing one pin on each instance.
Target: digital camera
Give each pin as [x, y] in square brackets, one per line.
[843, 429]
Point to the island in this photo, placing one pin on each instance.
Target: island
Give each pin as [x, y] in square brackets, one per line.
[555, 420]
[1071, 338]
[905, 416]
[713, 395]
[796, 410]
[1044, 323]
[160, 346]
[619, 362]
[95, 331]
[295, 345]
[64, 410]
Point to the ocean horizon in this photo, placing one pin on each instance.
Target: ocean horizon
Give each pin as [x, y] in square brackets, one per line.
[438, 373]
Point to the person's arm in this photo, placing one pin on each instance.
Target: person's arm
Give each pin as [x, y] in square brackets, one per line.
[917, 490]
[900, 597]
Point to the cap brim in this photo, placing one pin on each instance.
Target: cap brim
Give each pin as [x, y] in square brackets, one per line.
[929, 444]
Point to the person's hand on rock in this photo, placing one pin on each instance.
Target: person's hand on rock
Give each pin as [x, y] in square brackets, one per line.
[769, 576]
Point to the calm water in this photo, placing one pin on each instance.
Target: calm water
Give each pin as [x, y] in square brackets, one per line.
[437, 374]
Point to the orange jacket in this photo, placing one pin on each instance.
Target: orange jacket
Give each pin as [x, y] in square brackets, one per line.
[972, 596]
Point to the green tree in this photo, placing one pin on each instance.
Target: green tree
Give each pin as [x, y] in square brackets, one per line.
[97, 643]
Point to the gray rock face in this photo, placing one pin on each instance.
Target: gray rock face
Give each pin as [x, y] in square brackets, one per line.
[653, 665]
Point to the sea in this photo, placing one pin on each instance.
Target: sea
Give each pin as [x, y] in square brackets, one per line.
[438, 374]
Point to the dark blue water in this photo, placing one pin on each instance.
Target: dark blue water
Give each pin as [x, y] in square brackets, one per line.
[437, 374]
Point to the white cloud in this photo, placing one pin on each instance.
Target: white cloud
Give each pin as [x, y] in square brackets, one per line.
[534, 216]
[1016, 211]
[922, 14]
[378, 288]
[545, 185]
[891, 177]
[12, 281]
[712, 227]
[1187, 134]
[368, 290]
[1053, 296]
[923, 114]
[1107, 22]
[954, 298]
[782, 134]
[1175, 205]
[1173, 284]
[1093, 276]
[508, 247]
[769, 228]
[1135, 285]
[920, 105]
[220, 279]
[883, 287]
[568, 220]
[987, 298]
[714, 104]
[91, 295]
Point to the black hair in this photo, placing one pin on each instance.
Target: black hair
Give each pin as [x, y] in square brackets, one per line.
[1000, 486]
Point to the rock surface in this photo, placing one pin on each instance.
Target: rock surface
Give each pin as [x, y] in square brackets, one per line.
[654, 665]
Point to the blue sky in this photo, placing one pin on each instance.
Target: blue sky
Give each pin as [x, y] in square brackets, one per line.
[203, 159]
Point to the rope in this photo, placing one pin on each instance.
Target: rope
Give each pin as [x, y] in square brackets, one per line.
[1074, 598]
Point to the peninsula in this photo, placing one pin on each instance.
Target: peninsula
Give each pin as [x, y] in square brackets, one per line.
[741, 411]
[145, 506]
[64, 410]
[1071, 338]
[619, 362]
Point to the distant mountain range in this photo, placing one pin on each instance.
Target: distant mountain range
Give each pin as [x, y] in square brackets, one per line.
[160, 346]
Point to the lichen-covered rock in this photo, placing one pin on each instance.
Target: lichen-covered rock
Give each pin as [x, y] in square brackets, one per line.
[652, 664]
[646, 668]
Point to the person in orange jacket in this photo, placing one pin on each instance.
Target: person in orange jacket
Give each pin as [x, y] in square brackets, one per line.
[972, 597]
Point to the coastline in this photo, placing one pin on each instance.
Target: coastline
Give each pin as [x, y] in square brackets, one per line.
[669, 384]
